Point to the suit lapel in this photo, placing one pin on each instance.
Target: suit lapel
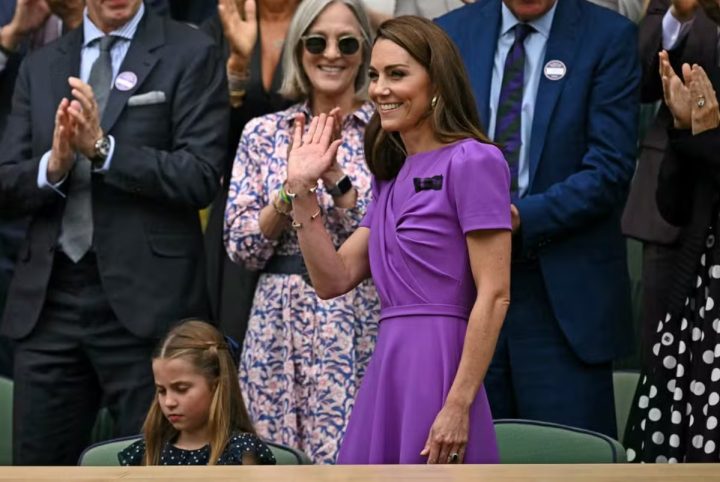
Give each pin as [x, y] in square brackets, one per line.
[140, 61]
[562, 45]
[65, 65]
[480, 68]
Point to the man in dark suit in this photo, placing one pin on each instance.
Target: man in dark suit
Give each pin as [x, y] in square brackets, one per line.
[557, 85]
[689, 36]
[115, 141]
[24, 26]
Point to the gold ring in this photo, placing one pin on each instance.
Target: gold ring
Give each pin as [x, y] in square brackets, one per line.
[701, 101]
[453, 458]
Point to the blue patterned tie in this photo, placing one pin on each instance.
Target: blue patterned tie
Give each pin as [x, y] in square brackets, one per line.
[509, 111]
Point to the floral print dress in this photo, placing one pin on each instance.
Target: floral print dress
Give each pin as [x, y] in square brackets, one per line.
[303, 357]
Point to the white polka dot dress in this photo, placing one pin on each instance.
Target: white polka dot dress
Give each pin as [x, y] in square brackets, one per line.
[238, 446]
[676, 409]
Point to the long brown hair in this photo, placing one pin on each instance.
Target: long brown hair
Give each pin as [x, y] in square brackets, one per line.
[453, 115]
[204, 348]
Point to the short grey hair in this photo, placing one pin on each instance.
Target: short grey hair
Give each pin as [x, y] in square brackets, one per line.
[295, 84]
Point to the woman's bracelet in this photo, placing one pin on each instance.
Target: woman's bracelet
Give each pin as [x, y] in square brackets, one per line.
[292, 196]
[283, 211]
[237, 87]
[297, 225]
[283, 195]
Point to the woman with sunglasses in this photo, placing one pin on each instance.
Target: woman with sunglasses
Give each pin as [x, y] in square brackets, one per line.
[436, 239]
[303, 357]
[251, 35]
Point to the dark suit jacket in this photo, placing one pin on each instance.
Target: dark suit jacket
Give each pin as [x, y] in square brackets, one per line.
[642, 219]
[166, 165]
[581, 159]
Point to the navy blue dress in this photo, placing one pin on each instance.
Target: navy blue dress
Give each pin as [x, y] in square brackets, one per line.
[238, 446]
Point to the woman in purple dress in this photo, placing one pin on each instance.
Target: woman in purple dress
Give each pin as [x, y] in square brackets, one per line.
[436, 239]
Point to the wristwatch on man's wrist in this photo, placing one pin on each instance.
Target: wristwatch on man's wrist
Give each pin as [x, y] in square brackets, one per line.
[102, 151]
[341, 187]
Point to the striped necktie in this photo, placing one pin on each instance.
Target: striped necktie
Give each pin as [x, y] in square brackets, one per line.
[509, 111]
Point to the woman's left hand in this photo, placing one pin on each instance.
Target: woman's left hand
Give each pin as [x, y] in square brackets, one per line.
[448, 436]
[705, 114]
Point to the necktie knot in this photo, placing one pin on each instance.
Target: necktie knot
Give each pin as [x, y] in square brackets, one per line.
[107, 42]
[522, 30]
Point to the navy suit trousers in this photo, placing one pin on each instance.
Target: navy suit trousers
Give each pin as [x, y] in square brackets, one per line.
[535, 374]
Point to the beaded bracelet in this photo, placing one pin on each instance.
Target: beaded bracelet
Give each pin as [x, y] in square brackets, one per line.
[282, 211]
[283, 195]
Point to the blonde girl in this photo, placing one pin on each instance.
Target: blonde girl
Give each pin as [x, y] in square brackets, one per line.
[198, 416]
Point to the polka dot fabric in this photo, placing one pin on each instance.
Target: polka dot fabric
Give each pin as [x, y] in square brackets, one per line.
[238, 446]
[677, 406]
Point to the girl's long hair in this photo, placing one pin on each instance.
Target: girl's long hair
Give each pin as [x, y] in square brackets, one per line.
[454, 115]
[201, 345]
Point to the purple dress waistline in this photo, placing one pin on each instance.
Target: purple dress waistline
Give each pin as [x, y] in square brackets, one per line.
[425, 310]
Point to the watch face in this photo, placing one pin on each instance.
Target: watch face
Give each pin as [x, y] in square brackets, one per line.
[102, 147]
[343, 186]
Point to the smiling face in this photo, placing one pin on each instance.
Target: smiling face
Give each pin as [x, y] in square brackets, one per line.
[400, 87]
[332, 73]
[183, 393]
[109, 15]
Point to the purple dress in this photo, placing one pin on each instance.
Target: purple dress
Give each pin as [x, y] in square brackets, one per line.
[420, 265]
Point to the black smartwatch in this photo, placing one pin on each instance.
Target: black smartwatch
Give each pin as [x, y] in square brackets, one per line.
[102, 151]
[342, 186]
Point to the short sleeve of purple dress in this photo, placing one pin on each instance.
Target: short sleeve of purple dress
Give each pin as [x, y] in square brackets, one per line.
[420, 265]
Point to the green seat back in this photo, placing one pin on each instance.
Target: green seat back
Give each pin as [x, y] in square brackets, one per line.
[6, 409]
[531, 442]
[285, 455]
[105, 453]
[624, 385]
[103, 428]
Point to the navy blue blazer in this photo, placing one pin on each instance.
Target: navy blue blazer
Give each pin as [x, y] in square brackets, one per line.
[582, 157]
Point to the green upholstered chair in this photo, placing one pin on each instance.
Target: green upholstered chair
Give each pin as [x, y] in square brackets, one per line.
[285, 455]
[625, 383]
[103, 428]
[6, 409]
[532, 442]
[105, 453]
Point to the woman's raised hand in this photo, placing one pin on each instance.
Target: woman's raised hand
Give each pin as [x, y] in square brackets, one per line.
[241, 33]
[312, 152]
[705, 114]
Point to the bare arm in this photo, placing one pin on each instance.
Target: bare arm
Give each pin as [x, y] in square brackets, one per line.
[332, 272]
[490, 262]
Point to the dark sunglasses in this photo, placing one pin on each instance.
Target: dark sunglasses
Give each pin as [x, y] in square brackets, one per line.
[316, 44]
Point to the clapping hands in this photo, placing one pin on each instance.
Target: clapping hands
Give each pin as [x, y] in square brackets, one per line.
[692, 99]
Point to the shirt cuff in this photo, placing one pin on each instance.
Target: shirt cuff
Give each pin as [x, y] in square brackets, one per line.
[42, 180]
[674, 31]
[106, 166]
